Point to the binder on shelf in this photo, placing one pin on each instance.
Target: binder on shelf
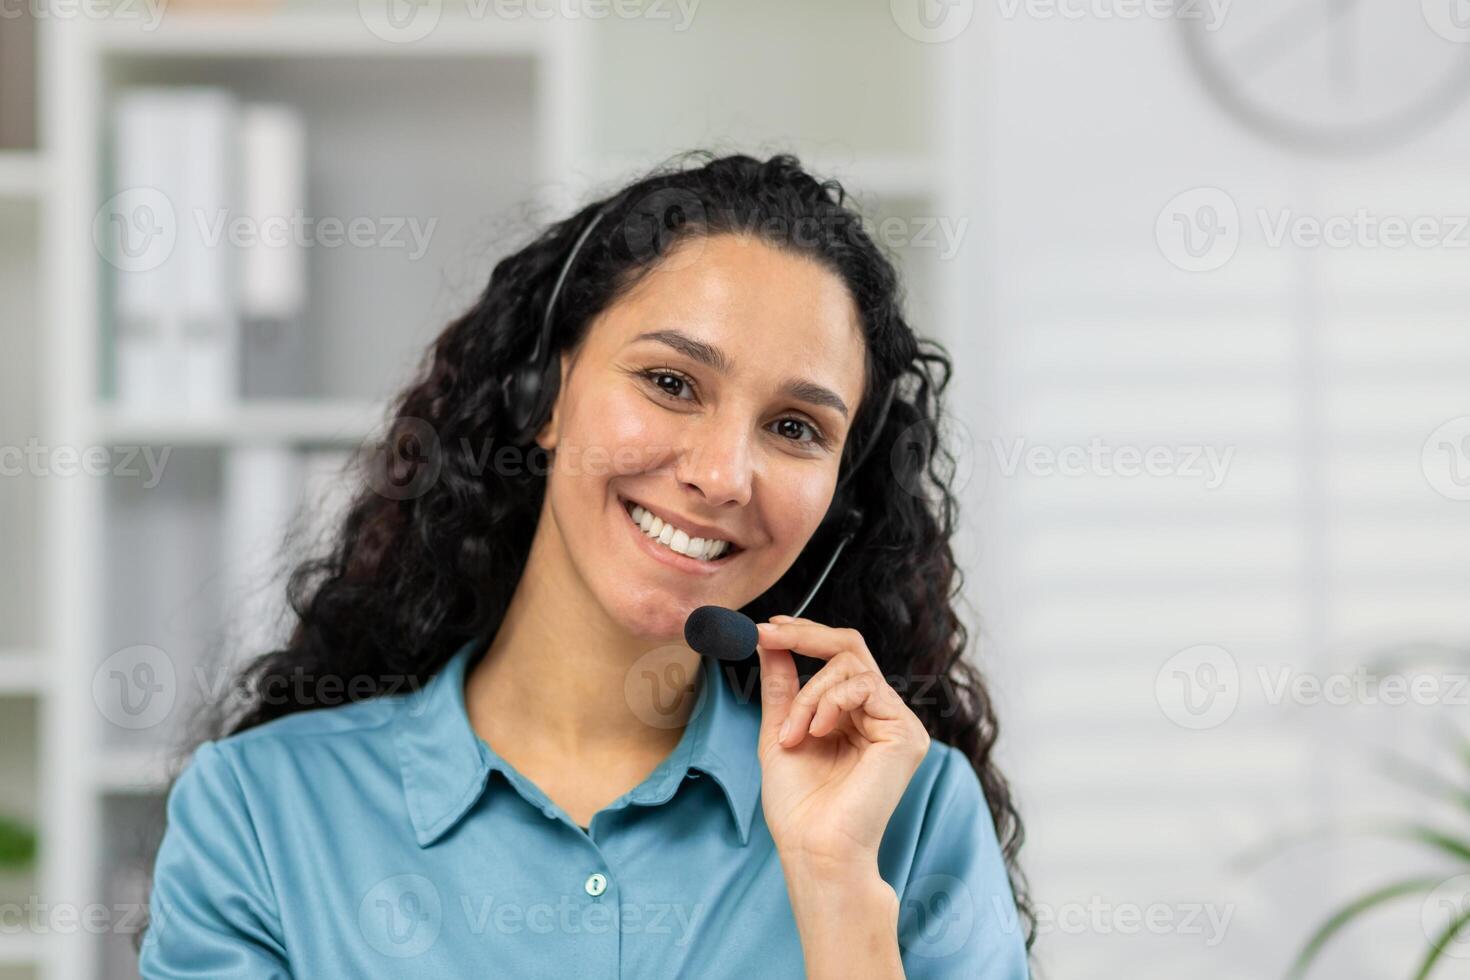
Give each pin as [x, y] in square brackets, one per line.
[273, 266]
[167, 233]
[131, 229]
[209, 339]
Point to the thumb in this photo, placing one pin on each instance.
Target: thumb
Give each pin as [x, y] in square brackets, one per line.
[779, 686]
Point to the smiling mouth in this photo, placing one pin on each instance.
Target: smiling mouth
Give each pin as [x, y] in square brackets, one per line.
[667, 536]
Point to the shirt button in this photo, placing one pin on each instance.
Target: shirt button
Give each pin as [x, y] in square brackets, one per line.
[596, 884]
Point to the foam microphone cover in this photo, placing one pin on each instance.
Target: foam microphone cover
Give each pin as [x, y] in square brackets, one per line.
[724, 634]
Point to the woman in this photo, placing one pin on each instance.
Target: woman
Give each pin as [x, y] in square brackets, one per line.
[532, 774]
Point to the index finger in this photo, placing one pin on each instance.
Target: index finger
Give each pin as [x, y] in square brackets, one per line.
[813, 640]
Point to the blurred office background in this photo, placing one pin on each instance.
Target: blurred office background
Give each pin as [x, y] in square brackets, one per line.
[1204, 269]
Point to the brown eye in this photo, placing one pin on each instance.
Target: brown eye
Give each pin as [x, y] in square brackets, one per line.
[795, 427]
[667, 383]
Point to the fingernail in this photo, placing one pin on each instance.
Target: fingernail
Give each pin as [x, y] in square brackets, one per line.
[785, 728]
[780, 619]
[765, 626]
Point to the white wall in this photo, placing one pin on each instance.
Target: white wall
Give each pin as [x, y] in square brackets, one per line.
[1323, 370]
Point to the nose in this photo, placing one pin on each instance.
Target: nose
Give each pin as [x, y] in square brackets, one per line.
[717, 460]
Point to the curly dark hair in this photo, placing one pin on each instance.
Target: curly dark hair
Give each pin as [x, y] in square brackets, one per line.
[409, 577]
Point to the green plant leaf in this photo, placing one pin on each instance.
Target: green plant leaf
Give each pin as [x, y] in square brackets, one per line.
[1410, 773]
[1254, 857]
[1458, 739]
[1440, 942]
[17, 844]
[1350, 913]
[1437, 839]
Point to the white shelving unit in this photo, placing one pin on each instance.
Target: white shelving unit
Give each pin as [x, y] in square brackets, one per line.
[277, 421]
[22, 175]
[98, 782]
[22, 673]
[488, 115]
[19, 950]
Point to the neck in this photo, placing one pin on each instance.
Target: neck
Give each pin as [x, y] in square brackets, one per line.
[554, 677]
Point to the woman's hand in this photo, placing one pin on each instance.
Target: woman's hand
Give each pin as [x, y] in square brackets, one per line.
[835, 756]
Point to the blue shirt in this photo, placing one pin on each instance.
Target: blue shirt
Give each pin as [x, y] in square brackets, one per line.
[386, 839]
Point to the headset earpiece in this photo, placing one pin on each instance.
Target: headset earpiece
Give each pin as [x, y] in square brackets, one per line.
[523, 396]
[524, 388]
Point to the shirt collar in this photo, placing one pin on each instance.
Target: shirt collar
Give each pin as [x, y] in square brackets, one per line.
[446, 766]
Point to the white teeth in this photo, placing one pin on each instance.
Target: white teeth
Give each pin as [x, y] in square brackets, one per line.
[705, 549]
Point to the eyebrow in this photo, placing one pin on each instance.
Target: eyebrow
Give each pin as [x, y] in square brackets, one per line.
[717, 360]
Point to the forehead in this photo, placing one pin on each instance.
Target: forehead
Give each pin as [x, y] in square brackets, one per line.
[773, 312]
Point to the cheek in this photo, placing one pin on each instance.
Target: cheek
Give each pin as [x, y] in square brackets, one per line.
[622, 433]
[797, 502]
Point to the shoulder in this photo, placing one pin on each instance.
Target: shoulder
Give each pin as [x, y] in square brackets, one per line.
[317, 729]
[958, 915]
[345, 721]
[265, 765]
[244, 815]
[944, 804]
[947, 773]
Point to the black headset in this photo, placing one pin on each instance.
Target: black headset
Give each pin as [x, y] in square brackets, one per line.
[525, 388]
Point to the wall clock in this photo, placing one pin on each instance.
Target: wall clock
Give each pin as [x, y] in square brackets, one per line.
[1332, 75]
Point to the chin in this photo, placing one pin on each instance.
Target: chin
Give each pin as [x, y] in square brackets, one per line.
[654, 617]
